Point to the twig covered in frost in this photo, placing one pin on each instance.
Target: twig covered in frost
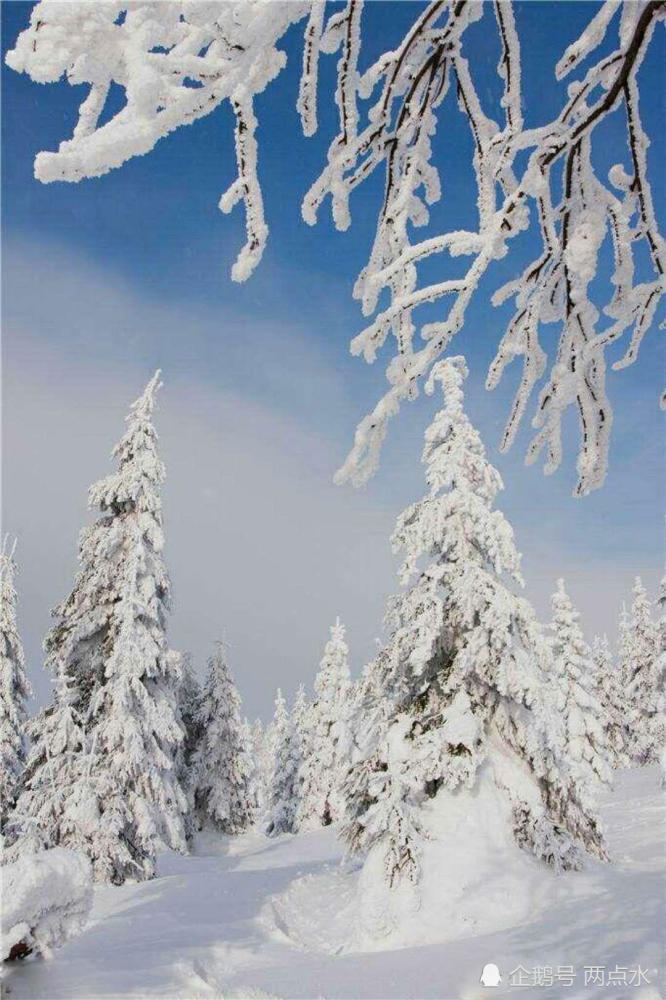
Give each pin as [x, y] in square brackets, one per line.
[178, 61]
[554, 286]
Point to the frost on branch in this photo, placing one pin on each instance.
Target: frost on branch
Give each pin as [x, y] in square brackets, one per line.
[555, 286]
[176, 62]
[407, 89]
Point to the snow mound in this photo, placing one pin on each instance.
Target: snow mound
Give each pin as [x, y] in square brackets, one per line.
[475, 881]
[46, 899]
[315, 912]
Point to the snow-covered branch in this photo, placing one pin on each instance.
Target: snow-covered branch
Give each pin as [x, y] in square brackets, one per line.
[180, 60]
[554, 287]
[176, 62]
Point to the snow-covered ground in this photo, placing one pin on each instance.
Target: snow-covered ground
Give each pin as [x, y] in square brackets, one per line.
[233, 921]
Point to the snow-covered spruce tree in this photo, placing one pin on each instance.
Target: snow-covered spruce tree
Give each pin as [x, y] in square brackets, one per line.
[612, 697]
[110, 647]
[325, 765]
[642, 687]
[64, 800]
[660, 673]
[173, 63]
[52, 766]
[581, 710]
[252, 782]
[624, 648]
[14, 688]
[302, 720]
[283, 784]
[461, 690]
[54, 760]
[222, 760]
[262, 757]
[189, 703]
[301, 714]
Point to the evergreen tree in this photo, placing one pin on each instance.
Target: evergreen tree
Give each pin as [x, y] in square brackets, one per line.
[63, 801]
[189, 704]
[222, 761]
[300, 714]
[462, 686]
[660, 673]
[261, 755]
[577, 701]
[252, 787]
[612, 697]
[302, 718]
[325, 764]
[624, 649]
[108, 651]
[642, 688]
[57, 744]
[14, 689]
[282, 790]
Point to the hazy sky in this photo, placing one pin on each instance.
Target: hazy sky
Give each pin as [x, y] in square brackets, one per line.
[108, 279]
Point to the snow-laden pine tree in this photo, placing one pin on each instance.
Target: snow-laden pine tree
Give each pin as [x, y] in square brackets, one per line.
[461, 695]
[660, 674]
[577, 702]
[189, 703]
[109, 649]
[624, 648]
[53, 765]
[302, 719]
[325, 764]
[14, 688]
[262, 757]
[283, 784]
[300, 713]
[253, 790]
[642, 688]
[612, 697]
[64, 800]
[222, 760]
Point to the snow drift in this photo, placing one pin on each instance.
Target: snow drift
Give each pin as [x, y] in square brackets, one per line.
[475, 880]
[46, 899]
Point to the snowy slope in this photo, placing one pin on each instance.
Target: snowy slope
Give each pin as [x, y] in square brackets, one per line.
[223, 924]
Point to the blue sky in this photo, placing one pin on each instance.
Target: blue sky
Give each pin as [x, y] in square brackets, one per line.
[105, 280]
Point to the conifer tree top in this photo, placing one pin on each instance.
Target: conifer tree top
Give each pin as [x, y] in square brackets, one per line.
[334, 666]
[561, 600]
[8, 624]
[280, 706]
[140, 470]
[462, 489]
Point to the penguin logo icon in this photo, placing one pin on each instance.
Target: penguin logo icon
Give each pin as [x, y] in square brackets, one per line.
[490, 975]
